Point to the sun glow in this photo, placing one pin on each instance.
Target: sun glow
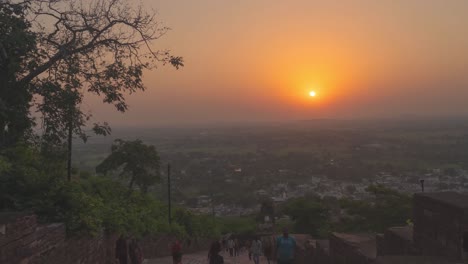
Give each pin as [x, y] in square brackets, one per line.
[312, 93]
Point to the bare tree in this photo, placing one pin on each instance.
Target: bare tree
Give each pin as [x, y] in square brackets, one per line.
[97, 46]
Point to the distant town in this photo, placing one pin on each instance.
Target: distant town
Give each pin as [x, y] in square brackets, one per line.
[229, 171]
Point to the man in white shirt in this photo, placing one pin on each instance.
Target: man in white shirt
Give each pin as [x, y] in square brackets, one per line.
[230, 245]
[256, 250]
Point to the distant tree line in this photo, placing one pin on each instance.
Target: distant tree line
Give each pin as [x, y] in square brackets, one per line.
[320, 216]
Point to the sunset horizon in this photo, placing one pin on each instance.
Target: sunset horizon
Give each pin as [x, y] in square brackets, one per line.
[234, 132]
[258, 60]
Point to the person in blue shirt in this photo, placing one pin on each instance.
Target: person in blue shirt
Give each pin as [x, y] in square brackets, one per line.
[285, 248]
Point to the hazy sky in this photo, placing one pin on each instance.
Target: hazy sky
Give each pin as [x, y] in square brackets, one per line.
[249, 60]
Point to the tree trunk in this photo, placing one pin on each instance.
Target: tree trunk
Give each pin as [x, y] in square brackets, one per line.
[70, 139]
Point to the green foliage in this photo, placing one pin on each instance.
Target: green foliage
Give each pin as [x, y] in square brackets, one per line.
[95, 203]
[237, 225]
[106, 202]
[100, 202]
[284, 223]
[60, 109]
[81, 211]
[56, 65]
[196, 225]
[136, 161]
[27, 178]
[31, 181]
[387, 208]
[16, 44]
[310, 215]
[4, 165]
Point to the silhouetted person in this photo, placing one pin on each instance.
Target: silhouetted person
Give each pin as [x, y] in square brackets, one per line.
[236, 247]
[285, 247]
[135, 252]
[213, 254]
[231, 247]
[224, 245]
[249, 250]
[257, 250]
[268, 248]
[176, 250]
[121, 251]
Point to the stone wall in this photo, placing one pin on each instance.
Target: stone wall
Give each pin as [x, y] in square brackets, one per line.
[352, 248]
[397, 241]
[440, 220]
[303, 248]
[92, 250]
[322, 252]
[22, 240]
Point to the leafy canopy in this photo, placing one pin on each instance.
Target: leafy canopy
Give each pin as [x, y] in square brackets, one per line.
[133, 160]
[387, 208]
[310, 216]
[57, 51]
[17, 41]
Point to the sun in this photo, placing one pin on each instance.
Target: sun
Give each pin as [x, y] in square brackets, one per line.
[312, 93]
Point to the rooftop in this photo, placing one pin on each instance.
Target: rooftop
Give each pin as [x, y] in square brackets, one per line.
[458, 200]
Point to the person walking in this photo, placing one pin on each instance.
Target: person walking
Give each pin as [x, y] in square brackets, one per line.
[256, 250]
[213, 254]
[135, 252]
[285, 248]
[224, 244]
[236, 247]
[248, 246]
[268, 248]
[121, 250]
[176, 250]
[231, 247]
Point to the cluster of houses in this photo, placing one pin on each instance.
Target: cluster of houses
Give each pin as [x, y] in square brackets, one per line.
[435, 180]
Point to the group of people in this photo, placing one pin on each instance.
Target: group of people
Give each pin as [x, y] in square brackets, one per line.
[233, 247]
[284, 247]
[128, 251]
[256, 250]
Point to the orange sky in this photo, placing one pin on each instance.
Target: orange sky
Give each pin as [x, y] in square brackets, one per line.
[249, 60]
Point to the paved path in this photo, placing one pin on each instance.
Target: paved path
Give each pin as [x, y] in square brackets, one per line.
[201, 258]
